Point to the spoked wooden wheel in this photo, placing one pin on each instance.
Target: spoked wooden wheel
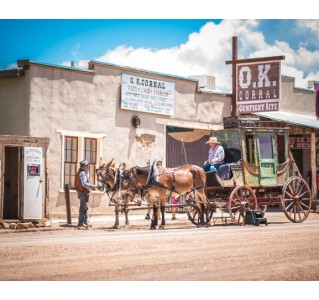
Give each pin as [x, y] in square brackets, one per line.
[193, 214]
[296, 199]
[241, 198]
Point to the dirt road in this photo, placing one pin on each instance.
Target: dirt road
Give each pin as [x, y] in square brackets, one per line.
[280, 251]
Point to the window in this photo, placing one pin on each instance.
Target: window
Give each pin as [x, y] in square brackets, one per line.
[89, 153]
[77, 146]
[266, 146]
[281, 149]
[251, 151]
[70, 159]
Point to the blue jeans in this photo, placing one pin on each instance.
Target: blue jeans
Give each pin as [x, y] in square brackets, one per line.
[83, 217]
[211, 167]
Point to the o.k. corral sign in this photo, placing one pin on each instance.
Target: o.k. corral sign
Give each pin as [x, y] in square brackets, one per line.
[147, 95]
[257, 86]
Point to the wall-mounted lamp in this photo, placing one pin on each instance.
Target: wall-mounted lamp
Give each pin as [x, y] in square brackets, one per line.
[136, 121]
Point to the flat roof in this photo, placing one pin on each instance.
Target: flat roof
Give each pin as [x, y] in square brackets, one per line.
[291, 118]
[142, 70]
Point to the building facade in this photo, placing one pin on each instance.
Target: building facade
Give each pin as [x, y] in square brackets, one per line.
[100, 112]
[82, 113]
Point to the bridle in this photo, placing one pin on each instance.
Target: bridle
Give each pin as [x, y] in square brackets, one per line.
[118, 179]
[106, 177]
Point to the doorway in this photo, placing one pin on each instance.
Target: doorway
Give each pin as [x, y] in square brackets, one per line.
[11, 183]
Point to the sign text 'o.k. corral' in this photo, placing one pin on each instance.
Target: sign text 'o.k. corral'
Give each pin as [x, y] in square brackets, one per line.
[257, 87]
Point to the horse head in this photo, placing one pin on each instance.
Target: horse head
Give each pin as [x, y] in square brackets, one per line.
[106, 175]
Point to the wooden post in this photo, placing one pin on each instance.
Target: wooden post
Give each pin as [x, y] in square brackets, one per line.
[314, 187]
[234, 59]
[67, 203]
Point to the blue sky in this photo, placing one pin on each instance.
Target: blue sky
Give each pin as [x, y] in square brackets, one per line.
[180, 46]
[55, 41]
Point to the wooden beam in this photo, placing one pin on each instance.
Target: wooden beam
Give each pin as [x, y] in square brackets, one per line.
[234, 90]
[11, 73]
[314, 188]
[252, 60]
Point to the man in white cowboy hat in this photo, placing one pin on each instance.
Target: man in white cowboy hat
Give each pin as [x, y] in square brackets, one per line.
[216, 155]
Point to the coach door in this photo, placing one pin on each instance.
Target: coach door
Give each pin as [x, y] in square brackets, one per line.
[267, 159]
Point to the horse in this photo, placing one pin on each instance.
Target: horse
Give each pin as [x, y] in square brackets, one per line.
[109, 179]
[162, 183]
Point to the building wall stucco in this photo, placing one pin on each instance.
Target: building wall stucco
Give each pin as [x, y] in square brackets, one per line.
[301, 101]
[14, 106]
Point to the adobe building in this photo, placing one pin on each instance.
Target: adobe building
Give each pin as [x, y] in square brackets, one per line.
[107, 111]
[118, 112]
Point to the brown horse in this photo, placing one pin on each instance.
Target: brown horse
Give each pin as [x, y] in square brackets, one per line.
[164, 183]
[109, 179]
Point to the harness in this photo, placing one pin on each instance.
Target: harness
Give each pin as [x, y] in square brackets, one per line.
[118, 179]
[154, 182]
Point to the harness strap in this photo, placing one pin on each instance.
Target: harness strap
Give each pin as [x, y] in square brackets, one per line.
[174, 183]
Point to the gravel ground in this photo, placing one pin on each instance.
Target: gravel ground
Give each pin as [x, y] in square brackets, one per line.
[280, 251]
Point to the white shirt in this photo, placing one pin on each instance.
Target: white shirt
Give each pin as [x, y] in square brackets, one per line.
[217, 153]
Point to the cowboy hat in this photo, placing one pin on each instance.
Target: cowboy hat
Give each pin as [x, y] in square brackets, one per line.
[84, 163]
[212, 140]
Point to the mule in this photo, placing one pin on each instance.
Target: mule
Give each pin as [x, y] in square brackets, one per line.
[164, 183]
[109, 179]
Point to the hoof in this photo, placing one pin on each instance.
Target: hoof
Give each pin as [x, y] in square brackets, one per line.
[153, 228]
[161, 227]
[114, 227]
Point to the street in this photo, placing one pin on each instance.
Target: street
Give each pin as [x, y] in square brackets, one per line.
[277, 252]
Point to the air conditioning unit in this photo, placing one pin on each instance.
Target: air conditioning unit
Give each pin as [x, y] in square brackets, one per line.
[205, 82]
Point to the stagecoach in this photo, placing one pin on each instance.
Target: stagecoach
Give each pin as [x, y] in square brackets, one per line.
[259, 171]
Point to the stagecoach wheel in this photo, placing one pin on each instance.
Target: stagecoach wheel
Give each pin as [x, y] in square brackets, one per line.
[296, 199]
[193, 214]
[241, 198]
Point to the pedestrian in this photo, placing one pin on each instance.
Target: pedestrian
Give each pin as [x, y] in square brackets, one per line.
[174, 209]
[216, 155]
[83, 188]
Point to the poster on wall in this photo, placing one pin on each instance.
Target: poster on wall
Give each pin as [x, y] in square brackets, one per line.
[258, 87]
[147, 95]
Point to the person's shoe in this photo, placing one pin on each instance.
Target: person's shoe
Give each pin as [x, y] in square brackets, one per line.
[147, 217]
[174, 219]
[87, 225]
[82, 226]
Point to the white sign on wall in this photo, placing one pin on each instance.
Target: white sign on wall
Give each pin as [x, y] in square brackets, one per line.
[147, 95]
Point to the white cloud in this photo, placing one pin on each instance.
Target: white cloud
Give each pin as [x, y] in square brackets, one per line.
[311, 24]
[206, 51]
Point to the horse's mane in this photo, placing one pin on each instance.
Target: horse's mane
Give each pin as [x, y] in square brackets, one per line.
[142, 170]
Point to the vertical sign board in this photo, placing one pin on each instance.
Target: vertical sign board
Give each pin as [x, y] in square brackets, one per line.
[258, 87]
[147, 95]
[33, 170]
